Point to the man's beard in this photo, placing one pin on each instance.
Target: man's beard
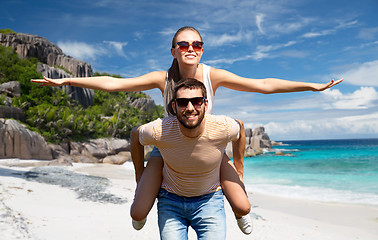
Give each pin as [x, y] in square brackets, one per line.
[190, 125]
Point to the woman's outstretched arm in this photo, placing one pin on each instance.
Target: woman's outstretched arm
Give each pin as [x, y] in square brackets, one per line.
[227, 79]
[110, 84]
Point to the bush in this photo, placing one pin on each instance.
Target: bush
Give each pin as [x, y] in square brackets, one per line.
[7, 30]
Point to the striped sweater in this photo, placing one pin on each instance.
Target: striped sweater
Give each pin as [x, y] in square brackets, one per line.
[191, 165]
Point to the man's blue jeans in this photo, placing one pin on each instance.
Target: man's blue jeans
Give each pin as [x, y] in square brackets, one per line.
[205, 214]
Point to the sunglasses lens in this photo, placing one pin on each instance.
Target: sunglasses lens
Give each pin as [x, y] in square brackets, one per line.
[197, 46]
[196, 102]
[184, 46]
[182, 102]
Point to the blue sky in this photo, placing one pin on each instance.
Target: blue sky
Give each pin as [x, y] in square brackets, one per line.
[300, 40]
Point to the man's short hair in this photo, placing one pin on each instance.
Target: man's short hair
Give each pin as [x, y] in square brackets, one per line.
[190, 83]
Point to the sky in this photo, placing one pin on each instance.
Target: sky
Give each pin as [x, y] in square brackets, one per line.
[297, 40]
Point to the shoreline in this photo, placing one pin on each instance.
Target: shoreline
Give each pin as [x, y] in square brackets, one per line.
[35, 210]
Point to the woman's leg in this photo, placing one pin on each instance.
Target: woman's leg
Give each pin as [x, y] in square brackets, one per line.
[148, 179]
[232, 175]
[238, 151]
[147, 189]
[233, 188]
[232, 184]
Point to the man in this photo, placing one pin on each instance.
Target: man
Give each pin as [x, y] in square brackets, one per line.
[192, 145]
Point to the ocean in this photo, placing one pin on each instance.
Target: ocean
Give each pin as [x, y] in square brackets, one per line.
[344, 171]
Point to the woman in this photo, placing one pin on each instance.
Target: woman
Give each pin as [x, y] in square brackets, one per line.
[187, 52]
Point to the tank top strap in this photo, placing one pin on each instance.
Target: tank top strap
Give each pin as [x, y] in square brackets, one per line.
[209, 87]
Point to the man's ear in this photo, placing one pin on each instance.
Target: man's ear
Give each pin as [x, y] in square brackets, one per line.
[174, 107]
[206, 104]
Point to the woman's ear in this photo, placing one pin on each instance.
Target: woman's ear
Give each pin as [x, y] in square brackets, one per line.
[173, 52]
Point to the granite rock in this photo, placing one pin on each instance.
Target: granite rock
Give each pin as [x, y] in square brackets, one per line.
[17, 141]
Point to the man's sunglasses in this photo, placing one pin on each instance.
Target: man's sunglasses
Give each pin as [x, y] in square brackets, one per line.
[196, 102]
[184, 46]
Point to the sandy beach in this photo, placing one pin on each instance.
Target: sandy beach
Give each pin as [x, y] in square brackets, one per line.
[92, 201]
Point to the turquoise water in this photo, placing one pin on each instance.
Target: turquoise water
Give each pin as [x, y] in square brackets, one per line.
[324, 170]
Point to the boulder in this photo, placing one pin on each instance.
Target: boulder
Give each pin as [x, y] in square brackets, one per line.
[144, 104]
[118, 159]
[12, 88]
[258, 131]
[28, 46]
[12, 112]
[256, 140]
[61, 161]
[248, 135]
[96, 150]
[8, 90]
[84, 96]
[17, 141]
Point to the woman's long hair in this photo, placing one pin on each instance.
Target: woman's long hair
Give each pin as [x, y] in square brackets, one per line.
[174, 73]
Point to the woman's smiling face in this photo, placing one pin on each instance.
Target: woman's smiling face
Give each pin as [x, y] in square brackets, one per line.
[189, 57]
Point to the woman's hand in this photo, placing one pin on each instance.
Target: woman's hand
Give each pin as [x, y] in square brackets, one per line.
[322, 87]
[51, 82]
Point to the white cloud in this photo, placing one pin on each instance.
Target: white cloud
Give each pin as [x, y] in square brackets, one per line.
[368, 33]
[361, 46]
[362, 98]
[343, 127]
[365, 74]
[326, 32]
[224, 39]
[283, 27]
[118, 46]
[81, 50]
[85, 51]
[318, 34]
[259, 19]
[263, 50]
[343, 25]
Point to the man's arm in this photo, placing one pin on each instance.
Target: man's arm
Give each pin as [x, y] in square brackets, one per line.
[137, 153]
[238, 150]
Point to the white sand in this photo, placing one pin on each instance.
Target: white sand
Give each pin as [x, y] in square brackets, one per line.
[32, 210]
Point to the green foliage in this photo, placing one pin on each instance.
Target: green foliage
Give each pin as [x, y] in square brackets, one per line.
[3, 98]
[52, 113]
[64, 69]
[7, 30]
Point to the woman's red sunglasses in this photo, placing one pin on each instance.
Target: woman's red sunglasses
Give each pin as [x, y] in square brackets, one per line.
[184, 46]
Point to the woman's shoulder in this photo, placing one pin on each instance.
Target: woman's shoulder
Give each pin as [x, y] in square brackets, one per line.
[219, 76]
[161, 74]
